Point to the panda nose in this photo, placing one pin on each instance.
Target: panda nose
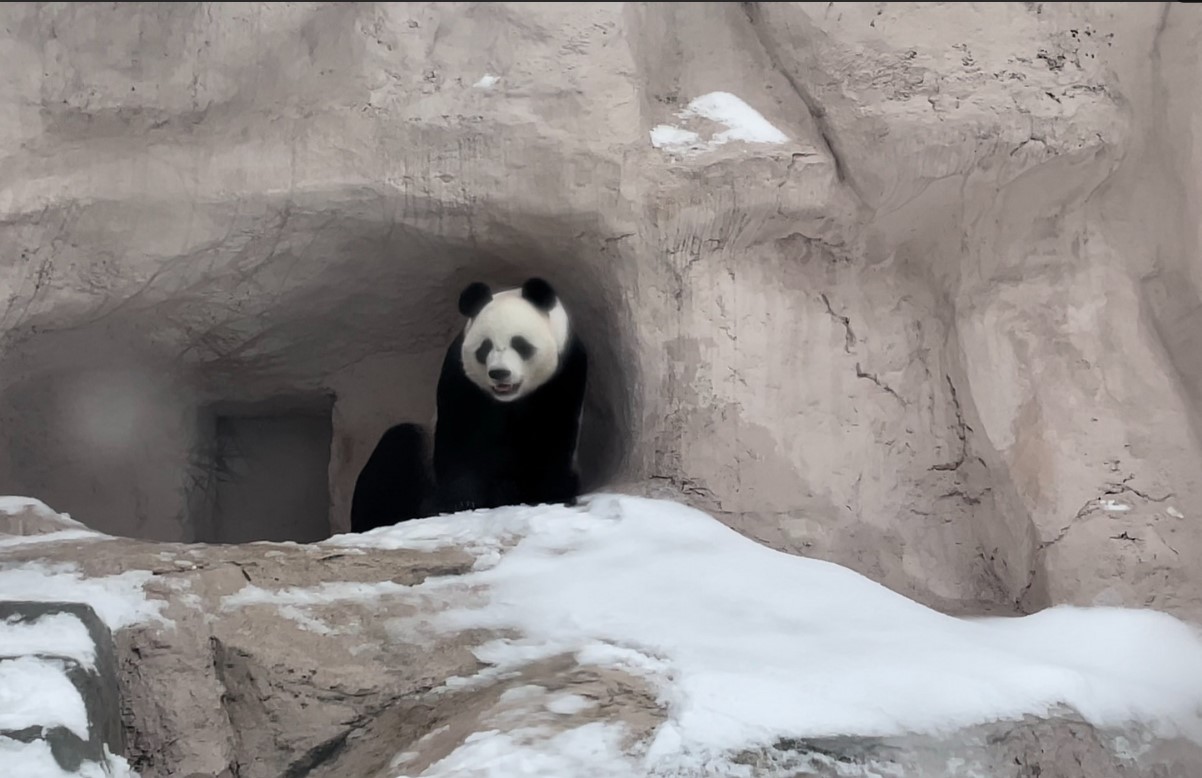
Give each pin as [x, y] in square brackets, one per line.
[498, 374]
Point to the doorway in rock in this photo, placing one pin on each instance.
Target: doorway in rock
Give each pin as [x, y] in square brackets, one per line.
[271, 475]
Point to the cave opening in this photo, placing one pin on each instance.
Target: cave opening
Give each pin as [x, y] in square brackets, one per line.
[237, 395]
[269, 472]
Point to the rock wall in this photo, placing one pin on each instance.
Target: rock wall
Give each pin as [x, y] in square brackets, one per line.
[921, 296]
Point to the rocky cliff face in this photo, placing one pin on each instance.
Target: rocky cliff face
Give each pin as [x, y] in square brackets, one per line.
[911, 287]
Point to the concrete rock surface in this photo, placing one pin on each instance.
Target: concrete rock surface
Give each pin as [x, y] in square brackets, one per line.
[324, 660]
[914, 287]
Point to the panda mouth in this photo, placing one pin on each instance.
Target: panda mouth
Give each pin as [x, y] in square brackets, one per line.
[504, 390]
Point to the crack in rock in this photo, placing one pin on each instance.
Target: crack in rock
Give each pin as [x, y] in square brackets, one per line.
[860, 373]
[962, 430]
[1085, 511]
[1097, 505]
[1124, 487]
[849, 337]
[970, 499]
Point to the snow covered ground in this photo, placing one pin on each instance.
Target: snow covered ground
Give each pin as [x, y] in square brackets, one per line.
[744, 645]
[747, 645]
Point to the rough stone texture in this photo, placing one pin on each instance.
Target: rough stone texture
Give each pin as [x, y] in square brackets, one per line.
[948, 334]
[256, 691]
[309, 676]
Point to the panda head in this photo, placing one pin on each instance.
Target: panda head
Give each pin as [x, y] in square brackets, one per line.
[513, 340]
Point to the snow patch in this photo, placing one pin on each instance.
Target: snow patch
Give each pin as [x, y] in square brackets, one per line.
[293, 602]
[522, 693]
[325, 594]
[1115, 506]
[569, 704]
[34, 760]
[58, 536]
[482, 533]
[36, 692]
[665, 136]
[67, 527]
[10, 504]
[487, 81]
[742, 122]
[746, 645]
[594, 750]
[118, 600]
[55, 634]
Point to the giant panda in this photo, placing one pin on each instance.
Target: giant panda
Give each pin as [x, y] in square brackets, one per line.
[509, 402]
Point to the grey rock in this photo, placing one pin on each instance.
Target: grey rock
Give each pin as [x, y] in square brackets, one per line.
[98, 687]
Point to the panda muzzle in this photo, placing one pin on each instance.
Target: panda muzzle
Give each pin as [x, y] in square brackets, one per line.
[505, 389]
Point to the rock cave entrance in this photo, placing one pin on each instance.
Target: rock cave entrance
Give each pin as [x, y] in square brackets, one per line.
[157, 414]
[270, 473]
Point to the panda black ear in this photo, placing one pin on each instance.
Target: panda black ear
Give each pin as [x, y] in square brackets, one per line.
[539, 293]
[473, 298]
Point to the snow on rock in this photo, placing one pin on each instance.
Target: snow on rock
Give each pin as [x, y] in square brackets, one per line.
[748, 645]
[665, 136]
[293, 602]
[12, 504]
[34, 760]
[520, 737]
[118, 600]
[463, 530]
[49, 662]
[567, 704]
[49, 537]
[37, 692]
[742, 122]
[592, 749]
[24, 520]
[56, 634]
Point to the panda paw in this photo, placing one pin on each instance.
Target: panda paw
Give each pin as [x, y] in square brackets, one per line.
[558, 489]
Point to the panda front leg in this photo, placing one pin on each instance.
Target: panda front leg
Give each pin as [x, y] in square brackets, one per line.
[556, 486]
[470, 492]
[461, 492]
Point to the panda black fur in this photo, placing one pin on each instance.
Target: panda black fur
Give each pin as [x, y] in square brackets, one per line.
[394, 484]
[509, 402]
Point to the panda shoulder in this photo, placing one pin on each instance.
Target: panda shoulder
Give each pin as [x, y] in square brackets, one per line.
[575, 355]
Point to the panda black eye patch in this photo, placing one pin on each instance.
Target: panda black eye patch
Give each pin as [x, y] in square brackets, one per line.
[523, 347]
[482, 351]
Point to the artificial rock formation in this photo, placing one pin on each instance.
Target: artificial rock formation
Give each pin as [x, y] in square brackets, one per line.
[938, 320]
[352, 659]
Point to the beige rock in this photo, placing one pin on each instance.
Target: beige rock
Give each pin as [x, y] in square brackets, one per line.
[334, 660]
[926, 335]
[309, 673]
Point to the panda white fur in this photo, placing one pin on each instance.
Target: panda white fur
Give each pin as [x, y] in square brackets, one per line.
[509, 402]
[509, 406]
